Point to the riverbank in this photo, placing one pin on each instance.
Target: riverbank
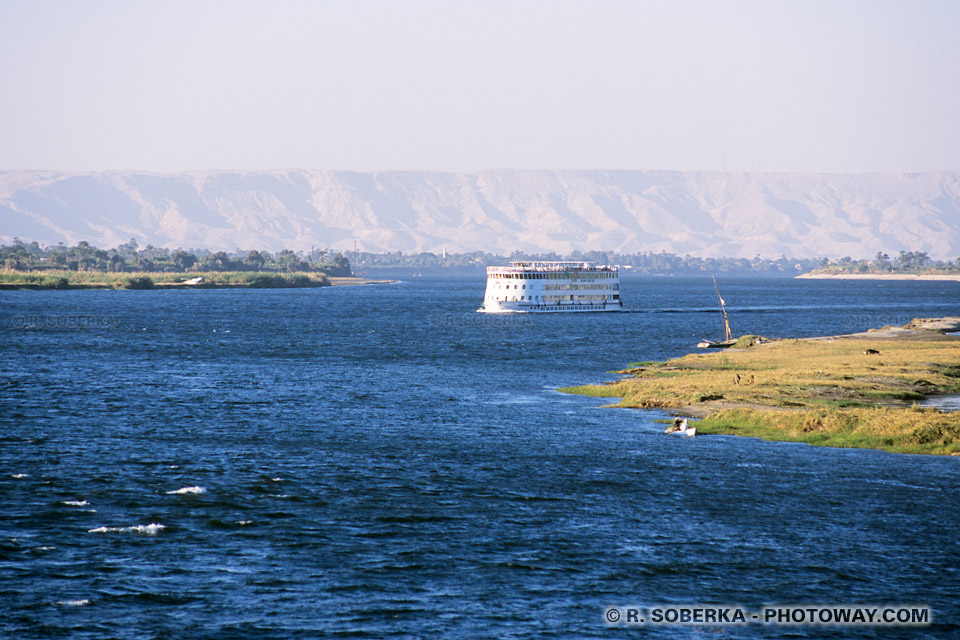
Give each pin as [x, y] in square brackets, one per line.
[813, 275]
[65, 280]
[856, 390]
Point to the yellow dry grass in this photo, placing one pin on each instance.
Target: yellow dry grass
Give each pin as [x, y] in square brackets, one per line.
[845, 391]
[799, 373]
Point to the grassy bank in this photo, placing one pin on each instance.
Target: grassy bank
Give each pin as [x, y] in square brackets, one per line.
[150, 280]
[899, 430]
[847, 391]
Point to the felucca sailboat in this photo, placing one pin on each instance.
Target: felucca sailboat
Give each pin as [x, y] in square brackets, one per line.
[728, 340]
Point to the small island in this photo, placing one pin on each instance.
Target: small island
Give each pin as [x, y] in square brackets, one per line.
[30, 266]
[859, 390]
[909, 265]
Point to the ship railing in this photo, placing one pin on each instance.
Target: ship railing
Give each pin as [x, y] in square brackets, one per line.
[526, 266]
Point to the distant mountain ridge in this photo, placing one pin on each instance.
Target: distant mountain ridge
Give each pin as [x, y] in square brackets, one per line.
[697, 213]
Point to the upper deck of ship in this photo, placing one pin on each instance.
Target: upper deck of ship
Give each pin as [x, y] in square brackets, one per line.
[544, 266]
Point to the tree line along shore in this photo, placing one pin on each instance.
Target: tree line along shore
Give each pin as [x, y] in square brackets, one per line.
[907, 262]
[83, 266]
[128, 266]
[909, 265]
[129, 257]
[859, 390]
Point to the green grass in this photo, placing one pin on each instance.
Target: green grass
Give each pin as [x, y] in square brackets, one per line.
[592, 390]
[911, 430]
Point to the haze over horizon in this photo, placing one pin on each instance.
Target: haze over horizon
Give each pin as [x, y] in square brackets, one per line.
[815, 87]
[702, 214]
[803, 128]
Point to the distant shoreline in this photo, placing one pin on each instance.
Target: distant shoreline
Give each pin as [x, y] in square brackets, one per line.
[100, 280]
[877, 276]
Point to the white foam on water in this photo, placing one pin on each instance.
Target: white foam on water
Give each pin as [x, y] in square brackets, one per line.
[74, 603]
[244, 523]
[20, 475]
[898, 483]
[145, 529]
[75, 503]
[276, 479]
[188, 491]
[148, 529]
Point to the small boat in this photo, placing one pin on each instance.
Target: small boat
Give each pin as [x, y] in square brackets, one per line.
[680, 427]
[728, 340]
[716, 344]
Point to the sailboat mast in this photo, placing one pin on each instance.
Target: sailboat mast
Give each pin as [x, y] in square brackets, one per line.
[723, 310]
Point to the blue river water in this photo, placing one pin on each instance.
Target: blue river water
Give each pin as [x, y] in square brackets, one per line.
[382, 461]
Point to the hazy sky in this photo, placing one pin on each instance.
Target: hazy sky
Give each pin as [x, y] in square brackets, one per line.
[461, 85]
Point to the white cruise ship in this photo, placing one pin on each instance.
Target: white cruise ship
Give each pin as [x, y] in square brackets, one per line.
[551, 287]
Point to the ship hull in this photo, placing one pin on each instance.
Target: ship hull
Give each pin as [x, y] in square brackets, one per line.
[551, 287]
[572, 308]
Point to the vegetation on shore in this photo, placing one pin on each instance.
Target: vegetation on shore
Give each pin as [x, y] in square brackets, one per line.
[640, 262]
[848, 391]
[30, 266]
[916, 263]
[130, 258]
[898, 430]
[663, 263]
[149, 280]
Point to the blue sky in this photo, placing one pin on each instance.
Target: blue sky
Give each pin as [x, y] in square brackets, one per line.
[844, 86]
